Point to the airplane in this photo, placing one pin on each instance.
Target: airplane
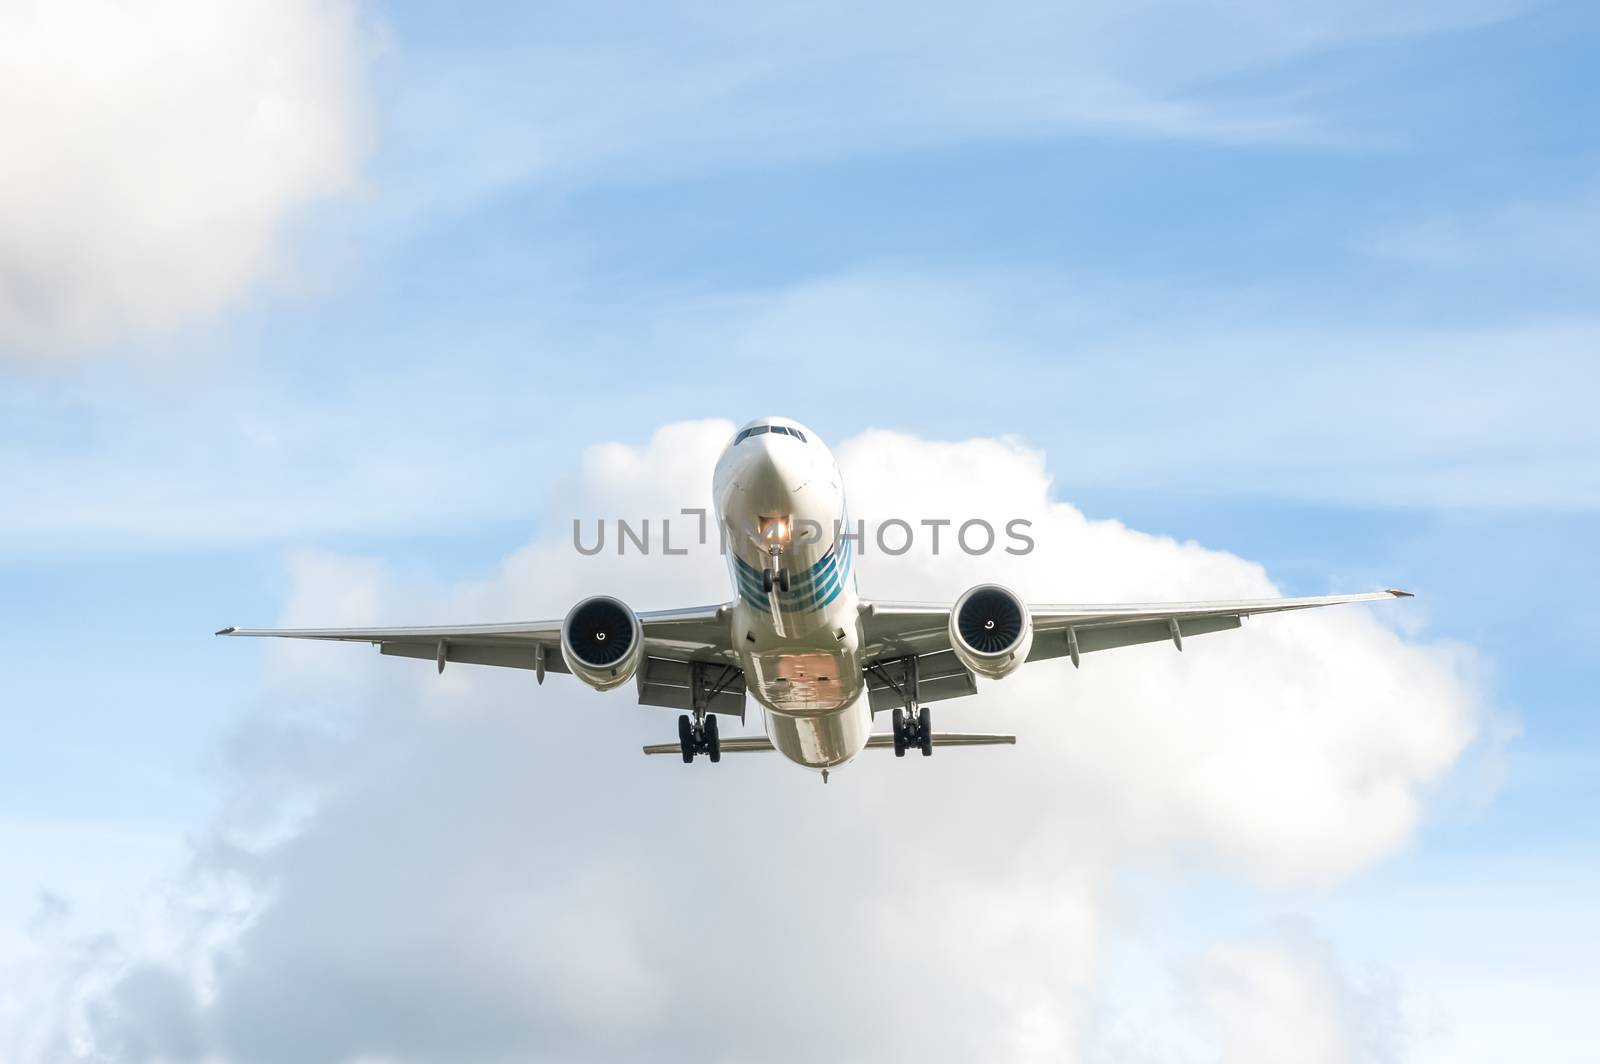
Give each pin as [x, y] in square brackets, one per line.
[819, 660]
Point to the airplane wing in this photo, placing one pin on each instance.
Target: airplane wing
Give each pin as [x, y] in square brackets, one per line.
[673, 640]
[895, 631]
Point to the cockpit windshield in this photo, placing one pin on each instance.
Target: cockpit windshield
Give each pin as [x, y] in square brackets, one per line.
[756, 430]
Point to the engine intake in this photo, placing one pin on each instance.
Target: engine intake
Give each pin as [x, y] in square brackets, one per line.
[991, 631]
[601, 642]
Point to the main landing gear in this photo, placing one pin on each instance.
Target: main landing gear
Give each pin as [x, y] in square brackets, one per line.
[913, 724]
[699, 737]
[697, 731]
[913, 731]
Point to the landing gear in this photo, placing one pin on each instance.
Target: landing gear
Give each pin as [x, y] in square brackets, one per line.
[913, 724]
[774, 575]
[698, 732]
[699, 738]
[913, 730]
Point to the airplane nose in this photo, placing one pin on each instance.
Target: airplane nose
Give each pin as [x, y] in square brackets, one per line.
[774, 470]
[766, 465]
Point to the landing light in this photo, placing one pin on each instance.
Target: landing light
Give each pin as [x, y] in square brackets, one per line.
[773, 529]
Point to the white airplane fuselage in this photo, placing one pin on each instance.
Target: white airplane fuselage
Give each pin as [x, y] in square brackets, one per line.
[780, 503]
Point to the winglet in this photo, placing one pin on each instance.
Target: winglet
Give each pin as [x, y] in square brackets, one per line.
[1397, 593]
[227, 631]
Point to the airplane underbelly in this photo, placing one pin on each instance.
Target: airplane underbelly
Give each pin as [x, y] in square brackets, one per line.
[799, 681]
[821, 740]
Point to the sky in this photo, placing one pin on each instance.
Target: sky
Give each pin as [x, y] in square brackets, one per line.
[322, 312]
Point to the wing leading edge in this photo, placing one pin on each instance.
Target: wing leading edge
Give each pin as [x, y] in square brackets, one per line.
[897, 629]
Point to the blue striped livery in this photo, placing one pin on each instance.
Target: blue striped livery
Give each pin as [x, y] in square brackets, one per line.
[811, 590]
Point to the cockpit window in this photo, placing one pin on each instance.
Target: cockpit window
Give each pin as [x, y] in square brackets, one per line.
[754, 430]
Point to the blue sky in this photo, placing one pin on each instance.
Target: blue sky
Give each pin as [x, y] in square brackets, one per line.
[1315, 286]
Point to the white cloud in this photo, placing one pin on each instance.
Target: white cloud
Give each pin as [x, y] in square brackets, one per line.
[1281, 994]
[156, 152]
[481, 869]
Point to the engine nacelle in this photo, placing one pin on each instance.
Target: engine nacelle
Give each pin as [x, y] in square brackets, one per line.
[601, 642]
[991, 631]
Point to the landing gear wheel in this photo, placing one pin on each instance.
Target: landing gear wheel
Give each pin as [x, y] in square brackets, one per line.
[899, 733]
[766, 581]
[686, 738]
[713, 742]
[783, 580]
[925, 732]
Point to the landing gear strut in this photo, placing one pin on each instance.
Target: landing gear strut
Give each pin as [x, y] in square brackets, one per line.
[697, 731]
[913, 724]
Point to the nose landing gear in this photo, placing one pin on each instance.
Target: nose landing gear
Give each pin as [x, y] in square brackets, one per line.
[774, 535]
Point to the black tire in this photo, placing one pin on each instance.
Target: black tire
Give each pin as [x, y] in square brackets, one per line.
[713, 740]
[783, 580]
[925, 732]
[899, 734]
[686, 738]
[766, 581]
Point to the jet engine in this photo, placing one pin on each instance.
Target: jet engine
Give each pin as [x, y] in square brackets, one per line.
[991, 631]
[602, 642]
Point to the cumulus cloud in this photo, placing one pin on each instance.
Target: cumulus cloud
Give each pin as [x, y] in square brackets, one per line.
[156, 151]
[1281, 994]
[479, 869]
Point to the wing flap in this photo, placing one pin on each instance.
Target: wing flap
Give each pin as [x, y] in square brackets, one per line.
[1053, 643]
[505, 656]
[940, 676]
[668, 683]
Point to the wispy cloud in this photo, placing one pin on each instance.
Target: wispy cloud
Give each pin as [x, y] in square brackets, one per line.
[691, 89]
[156, 153]
[1512, 238]
[397, 442]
